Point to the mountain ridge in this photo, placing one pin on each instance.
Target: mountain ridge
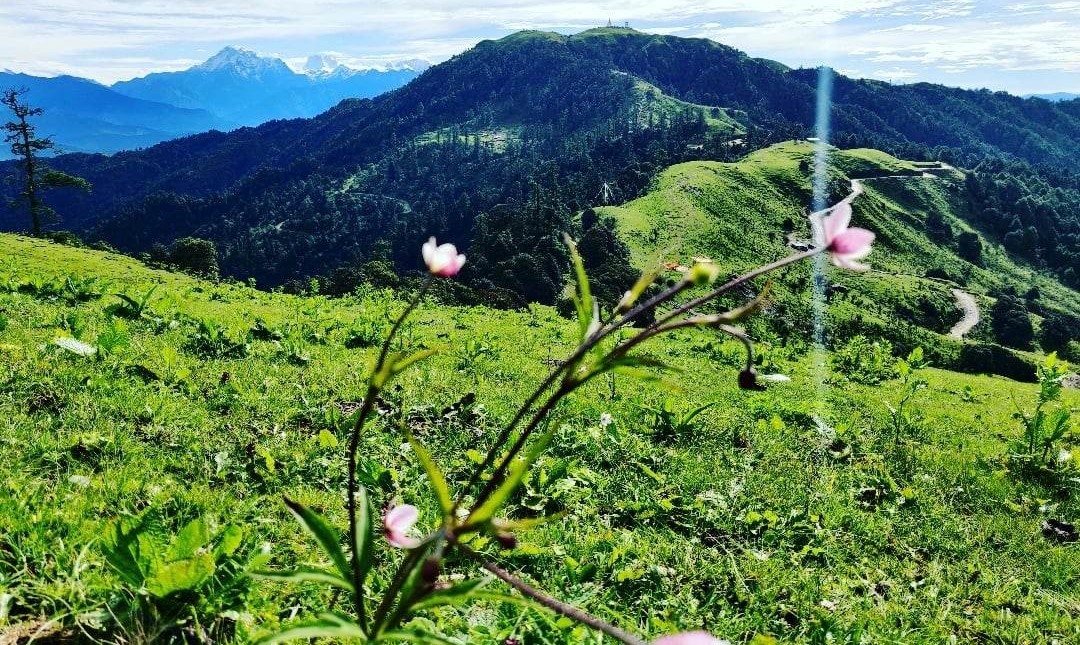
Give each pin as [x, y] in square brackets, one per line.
[86, 116]
[567, 110]
[241, 86]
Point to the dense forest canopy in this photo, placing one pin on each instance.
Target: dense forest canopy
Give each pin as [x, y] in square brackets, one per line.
[522, 133]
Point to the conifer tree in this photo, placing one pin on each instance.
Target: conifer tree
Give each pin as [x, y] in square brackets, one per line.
[21, 135]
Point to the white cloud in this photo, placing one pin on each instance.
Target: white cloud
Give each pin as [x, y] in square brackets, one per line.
[111, 39]
[982, 44]
[893, 74]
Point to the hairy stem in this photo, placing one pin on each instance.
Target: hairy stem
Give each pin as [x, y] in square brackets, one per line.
[578, 353]
[553, 604]
[354, 445]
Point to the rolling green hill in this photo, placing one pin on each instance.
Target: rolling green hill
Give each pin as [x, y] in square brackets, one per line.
[737, 213]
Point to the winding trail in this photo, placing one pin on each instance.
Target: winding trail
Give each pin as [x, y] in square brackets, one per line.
[967, 304]
[964, 301]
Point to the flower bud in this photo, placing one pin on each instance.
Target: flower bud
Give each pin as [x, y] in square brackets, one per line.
[704, 272]
[429, 571]
[507, 540]
[748, 380]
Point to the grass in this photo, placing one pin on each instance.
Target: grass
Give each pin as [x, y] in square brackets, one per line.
[747, 522]
[493, 139]
[737, 212]
[654, 105]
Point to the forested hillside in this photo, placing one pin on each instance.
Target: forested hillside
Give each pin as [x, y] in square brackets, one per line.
[534, 128]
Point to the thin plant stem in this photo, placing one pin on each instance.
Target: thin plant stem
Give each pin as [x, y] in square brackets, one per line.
[559, 607]
[582, 349]
[599, 335]
[537, 418]
[414, 557]
[728, 286]
[354, 445]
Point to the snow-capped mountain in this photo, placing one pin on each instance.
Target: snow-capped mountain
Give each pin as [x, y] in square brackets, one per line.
[240, 86]
[323, 65]
[242, 62]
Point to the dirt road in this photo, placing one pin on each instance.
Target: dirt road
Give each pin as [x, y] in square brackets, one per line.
[967, 304]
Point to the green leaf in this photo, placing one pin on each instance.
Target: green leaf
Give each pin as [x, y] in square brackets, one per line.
[643, 282]
[182, 575]
[518, 470]
[306, 575]
[327, 439]
[123, 553]
[322, 628]
[587, 310]
[363, 531]
[403, 364]
[194, 536]
[268, 458]
[397, 363]
[632, 365]
[434, 474]
[525, 524]
[326, 536]
[231, 538]
[455, 595]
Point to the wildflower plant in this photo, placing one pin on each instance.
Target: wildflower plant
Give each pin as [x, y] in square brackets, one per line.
[1047, 427]
[419, 584]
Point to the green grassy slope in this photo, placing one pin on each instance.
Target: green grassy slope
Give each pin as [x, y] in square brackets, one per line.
[747, 523]
[736, 212]
[654, 105]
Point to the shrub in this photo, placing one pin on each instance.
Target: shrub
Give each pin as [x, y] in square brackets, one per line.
[864, 361]
[196, 256]
[1010, 321]
[987, 358]
[1058, 330]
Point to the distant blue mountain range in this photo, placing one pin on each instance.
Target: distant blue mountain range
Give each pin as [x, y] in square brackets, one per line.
[241, 87]
[85, 116]
[1054, 97]
[234, 88]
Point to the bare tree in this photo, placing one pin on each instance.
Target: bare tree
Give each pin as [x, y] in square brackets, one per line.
[21, 135]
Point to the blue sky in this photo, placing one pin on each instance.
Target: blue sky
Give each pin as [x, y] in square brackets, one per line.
[1022, 46]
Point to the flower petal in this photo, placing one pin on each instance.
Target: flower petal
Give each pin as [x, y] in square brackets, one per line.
[428, 250]
[401, 518]
[690, 638]
[847, 263]
[836, 222]
[853, 242]
[402, 541]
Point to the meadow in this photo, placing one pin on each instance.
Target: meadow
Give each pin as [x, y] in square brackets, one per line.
[677, 500]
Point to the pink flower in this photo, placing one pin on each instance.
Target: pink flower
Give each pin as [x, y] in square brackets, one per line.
[847, 244]
[690, 638]
[442, 260]
[397, 522]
